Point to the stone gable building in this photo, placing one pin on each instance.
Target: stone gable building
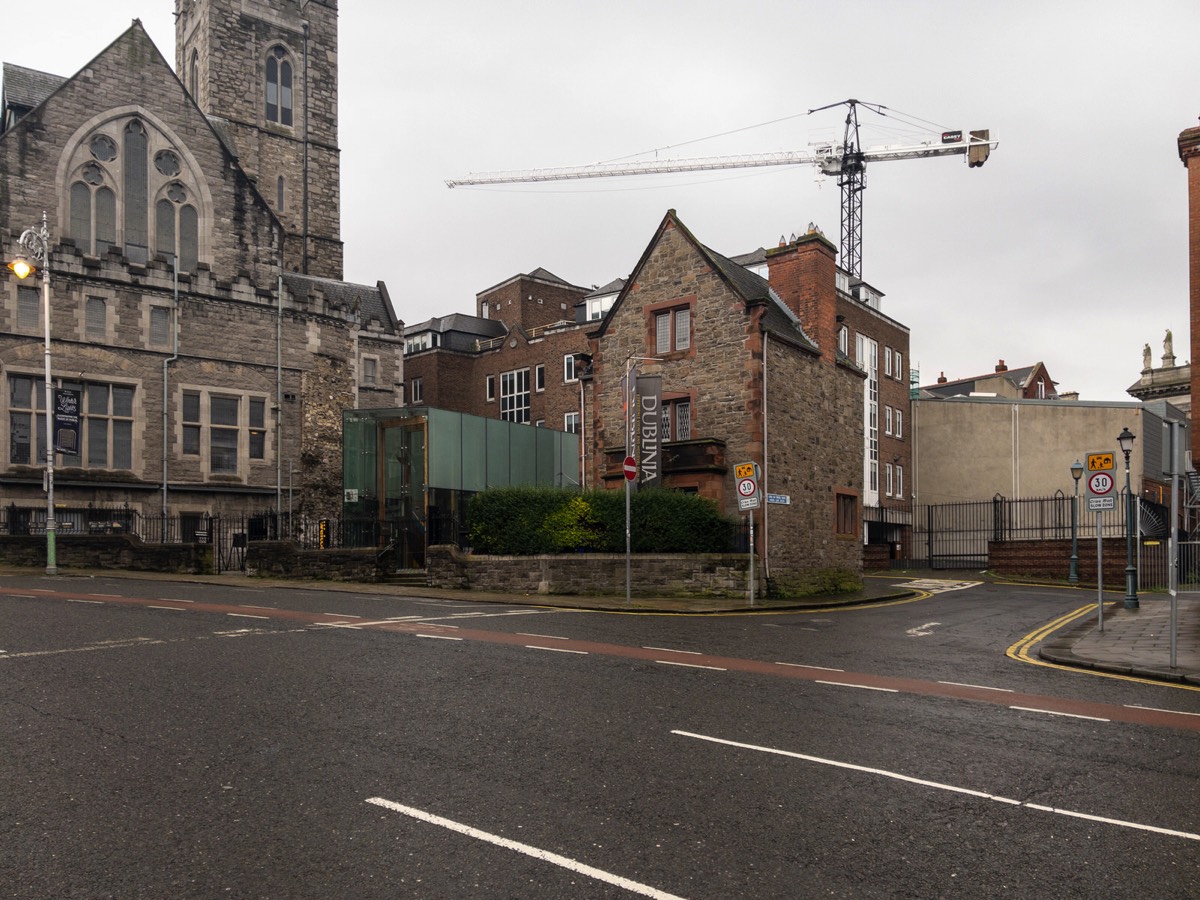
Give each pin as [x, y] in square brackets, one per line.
[196, 302]
[742, 381]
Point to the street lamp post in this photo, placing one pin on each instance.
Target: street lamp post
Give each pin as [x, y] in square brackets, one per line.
[1125, 440]
[1076, 473]
[37, 242]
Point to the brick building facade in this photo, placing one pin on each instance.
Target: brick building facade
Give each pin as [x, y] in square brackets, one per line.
[212, 370]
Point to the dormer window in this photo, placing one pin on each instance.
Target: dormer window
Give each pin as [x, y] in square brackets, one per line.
[279, 87]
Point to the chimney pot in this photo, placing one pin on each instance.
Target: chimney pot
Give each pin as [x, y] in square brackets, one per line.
[942, 378]
[1001, 367]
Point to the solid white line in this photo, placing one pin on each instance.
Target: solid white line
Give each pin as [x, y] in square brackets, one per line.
[672, 650]
[246, 616]
[1051, 712]
[440, 637]
[253, 606]
[74, 600]
[96, 594]
[667, 662]
[942, 787]
[555, 649]
[175, 608]
[865, 687]
[802, 666]
[982, 687]
[1174, 712]
[174, 600]
[537, 853]
[342, 615]
[549, 637]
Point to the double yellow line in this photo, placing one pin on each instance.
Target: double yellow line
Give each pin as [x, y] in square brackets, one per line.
[1021, 651]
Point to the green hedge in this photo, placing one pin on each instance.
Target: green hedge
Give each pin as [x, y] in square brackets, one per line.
[525, 521]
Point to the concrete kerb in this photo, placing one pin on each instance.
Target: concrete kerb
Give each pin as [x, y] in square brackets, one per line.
[873, 593]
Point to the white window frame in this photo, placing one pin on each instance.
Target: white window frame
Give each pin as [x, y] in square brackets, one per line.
[569, 373]
[571, 422]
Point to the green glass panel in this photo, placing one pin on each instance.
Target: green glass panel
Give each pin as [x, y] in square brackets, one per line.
[474, 453]
[497, 453]
[548, 469]
[445, 438]
[523, 454]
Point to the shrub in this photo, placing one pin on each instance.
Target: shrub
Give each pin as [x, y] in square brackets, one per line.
[527, 521]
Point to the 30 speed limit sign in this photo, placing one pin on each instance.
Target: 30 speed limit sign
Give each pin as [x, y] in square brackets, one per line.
[1100, 484]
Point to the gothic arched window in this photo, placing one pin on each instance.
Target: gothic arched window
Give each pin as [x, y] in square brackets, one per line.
[131, 188]
[279, 87]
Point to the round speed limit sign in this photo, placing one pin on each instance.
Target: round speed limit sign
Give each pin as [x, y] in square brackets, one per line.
[1100, 483]
[746, 487]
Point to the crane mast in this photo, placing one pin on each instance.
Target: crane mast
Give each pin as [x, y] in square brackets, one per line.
[846, 160]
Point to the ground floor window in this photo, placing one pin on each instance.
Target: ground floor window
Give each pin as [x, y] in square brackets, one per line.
[105, 434]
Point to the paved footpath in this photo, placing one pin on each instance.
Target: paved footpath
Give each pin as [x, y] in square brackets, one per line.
[1135, 641]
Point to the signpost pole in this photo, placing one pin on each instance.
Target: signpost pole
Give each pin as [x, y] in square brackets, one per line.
[627, 483]
[629, 469]
[751, 557]
[1099, 571]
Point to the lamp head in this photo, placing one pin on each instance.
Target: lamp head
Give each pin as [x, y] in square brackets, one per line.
[1077, 470]
[22, 267]
[1126, 439]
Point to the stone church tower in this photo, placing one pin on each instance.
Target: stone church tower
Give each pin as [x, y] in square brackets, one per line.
[265, 73]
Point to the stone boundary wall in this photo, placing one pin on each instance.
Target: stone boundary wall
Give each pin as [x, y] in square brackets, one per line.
[659, 575]
[285, 559]
[116, 551]
[1052, 559]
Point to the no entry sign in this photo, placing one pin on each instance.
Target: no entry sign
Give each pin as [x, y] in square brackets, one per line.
[629, 467]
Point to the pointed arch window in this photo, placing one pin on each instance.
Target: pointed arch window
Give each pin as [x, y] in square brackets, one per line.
[137, 229]
[132, 189]
[279, 87]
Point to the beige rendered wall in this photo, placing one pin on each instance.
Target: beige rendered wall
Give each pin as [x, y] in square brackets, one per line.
[975, 448]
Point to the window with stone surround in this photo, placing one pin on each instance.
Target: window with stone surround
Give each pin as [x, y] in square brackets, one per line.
[673, 330]
[278, 87]
[96, 319]
[105, 423]
[128, 165]
[224, 428]
[29, 303]
[846, 513]
[677, 420]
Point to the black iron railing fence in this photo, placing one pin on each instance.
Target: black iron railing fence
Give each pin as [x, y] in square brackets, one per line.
[942, 536]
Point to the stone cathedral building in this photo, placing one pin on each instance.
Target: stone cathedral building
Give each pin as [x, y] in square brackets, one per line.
[196, 300]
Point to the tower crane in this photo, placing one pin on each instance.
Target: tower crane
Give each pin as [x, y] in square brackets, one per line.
[847, 161]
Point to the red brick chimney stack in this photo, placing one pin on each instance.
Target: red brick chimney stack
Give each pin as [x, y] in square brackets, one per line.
[804, 275]
[1001, 367]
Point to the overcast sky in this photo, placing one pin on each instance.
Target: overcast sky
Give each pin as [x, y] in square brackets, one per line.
[1069, 246]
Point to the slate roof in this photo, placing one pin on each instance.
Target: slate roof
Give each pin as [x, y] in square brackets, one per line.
[611, 288]
[460, 322]
[961, 387]
[25, 89]
[371, 302]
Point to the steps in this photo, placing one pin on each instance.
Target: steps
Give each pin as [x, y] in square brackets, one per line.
[408, 578]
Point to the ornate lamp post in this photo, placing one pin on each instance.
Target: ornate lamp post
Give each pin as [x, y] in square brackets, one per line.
[37, 242]
[1125, 439]
[1076, 473]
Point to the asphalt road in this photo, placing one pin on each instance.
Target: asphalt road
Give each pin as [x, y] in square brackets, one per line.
[167, 739]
